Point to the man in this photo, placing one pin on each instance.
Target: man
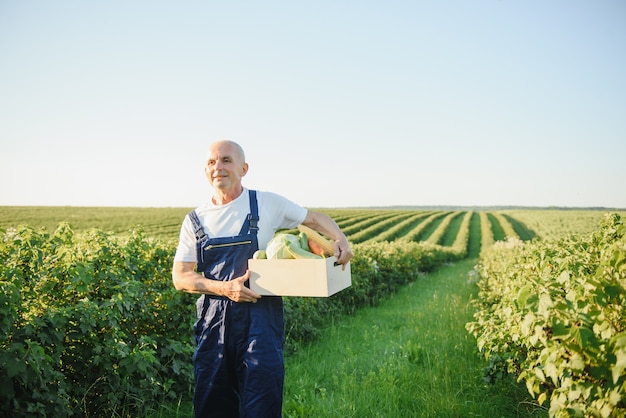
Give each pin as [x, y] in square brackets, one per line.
[238, 361]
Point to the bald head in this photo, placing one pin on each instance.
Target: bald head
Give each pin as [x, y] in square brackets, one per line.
[233, 145]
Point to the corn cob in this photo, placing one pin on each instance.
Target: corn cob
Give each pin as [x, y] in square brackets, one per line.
[317, 237]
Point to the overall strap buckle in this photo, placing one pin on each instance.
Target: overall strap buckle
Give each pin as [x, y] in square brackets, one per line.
[253, 222]
[197, 226]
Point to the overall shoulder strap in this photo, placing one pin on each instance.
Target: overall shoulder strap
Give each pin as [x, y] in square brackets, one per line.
[251, 224]
[253, 216]
[197, 226]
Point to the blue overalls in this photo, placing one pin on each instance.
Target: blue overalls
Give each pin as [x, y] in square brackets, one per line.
[238, 362]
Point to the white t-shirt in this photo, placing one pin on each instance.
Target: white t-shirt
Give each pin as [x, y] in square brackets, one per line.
[275, 212]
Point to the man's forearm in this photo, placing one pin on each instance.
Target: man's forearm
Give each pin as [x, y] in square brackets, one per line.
[188, 280]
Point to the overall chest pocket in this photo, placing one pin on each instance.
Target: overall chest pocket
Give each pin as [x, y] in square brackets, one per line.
[227, 258]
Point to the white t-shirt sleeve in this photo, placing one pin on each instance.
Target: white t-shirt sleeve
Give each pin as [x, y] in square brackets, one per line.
[186, 250]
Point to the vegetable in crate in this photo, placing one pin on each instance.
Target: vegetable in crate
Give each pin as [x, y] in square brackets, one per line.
[318, 244]
[259, 255]
[286, 246]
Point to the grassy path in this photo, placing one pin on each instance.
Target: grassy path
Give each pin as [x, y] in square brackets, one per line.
[408, 357]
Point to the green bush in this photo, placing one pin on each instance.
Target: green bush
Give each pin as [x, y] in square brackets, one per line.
[555, 312]
[90, 325]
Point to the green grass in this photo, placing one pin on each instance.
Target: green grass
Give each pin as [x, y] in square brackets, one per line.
[473, 246]
[522, 231]
[408, 357]
[453, 230]
[498, 232]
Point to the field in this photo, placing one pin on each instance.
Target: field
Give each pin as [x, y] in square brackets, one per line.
[360, 225]
[162, 223]
[103, 323]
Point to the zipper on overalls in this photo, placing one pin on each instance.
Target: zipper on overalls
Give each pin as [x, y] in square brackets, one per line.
[231, 244]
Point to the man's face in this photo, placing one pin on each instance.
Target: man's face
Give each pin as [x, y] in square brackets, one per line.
[225, 167]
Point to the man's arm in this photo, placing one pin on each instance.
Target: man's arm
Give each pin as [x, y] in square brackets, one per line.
[327, 226]
[186, 279]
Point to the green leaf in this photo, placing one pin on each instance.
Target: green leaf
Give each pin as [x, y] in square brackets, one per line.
[523, 294]
[545, 303]
[577, 362]
[15, 368]
[613, 291]
[620, 357]
[582, 335]
[559, 330]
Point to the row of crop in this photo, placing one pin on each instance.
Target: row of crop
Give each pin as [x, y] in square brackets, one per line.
[433, 227]
[449, 236]
[556, 224]
[507, 228]
[554, 313]
[160, 223]
[372, 226]
[399, 229]
[90, 324]
[442, 227]
[461, 241]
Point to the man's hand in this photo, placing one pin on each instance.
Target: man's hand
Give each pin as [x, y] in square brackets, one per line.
[343, 252]
[237, 291]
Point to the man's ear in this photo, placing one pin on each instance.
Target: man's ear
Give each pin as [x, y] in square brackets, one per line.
[244, 169]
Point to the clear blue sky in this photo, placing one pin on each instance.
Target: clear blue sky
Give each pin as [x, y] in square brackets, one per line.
[337, 103]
